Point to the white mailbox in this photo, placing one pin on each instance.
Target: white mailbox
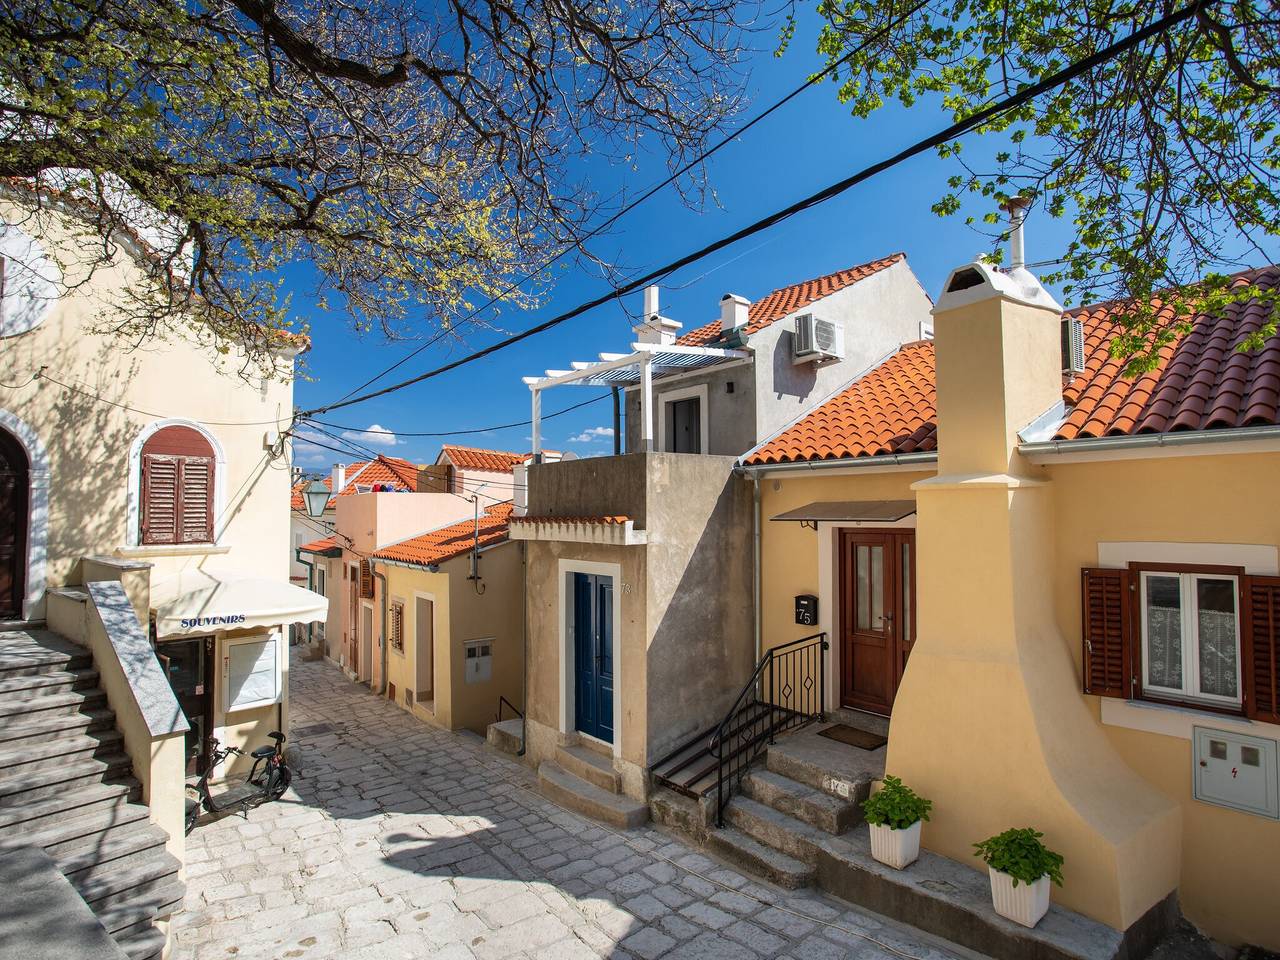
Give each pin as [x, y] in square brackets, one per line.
[1236, 770]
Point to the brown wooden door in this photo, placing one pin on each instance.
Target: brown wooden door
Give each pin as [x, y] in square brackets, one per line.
[877, 616]
[15, 495]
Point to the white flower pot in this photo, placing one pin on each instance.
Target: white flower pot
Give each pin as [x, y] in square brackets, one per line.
[1025, 904]
[895, 848]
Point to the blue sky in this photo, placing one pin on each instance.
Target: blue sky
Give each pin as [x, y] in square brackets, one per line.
[810, 143]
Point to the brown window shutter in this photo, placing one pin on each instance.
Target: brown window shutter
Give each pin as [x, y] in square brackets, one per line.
[197, 500]
[366, 580]
[1107, 628]
[1261, 648]
[160, 499]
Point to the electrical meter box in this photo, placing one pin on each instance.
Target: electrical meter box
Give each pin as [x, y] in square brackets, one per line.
[1235, 770]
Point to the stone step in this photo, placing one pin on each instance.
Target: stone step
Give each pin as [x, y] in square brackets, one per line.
[843, 771]
[141, 881]
[562, 787]
[42, 684]
[953, 901]
[590, 766]
[31, 652]
[74, 701]
[123, 922]
[61, 750]
[150, 905]
[795, 799]
[783, 833]
[143, 945]
[753, 856]
[53, 726]
[109, 852]
[38, 813]
[22, 785]
[505, 736]
[59, 834]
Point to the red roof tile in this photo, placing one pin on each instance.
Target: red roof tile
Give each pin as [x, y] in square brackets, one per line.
[787, 300]
[320, 546]
[399, 473]
[1201, 383]
[453, 540]
[477, 458]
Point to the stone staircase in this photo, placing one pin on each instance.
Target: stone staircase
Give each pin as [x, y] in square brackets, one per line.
[796, 819]
[67, 786]
[582, 778]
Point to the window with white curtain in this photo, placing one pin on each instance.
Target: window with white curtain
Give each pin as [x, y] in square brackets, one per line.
[251, 675]
[1191, 636]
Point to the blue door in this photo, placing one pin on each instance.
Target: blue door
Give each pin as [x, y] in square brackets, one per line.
[593, 654]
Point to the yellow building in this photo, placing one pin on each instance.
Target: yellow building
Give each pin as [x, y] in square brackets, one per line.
[435, 622]
[1060, 586]
[143, 488]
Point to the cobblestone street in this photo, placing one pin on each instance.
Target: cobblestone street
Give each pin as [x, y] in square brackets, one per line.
[398, 840]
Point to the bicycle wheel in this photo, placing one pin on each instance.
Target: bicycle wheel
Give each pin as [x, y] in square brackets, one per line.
[193, 814]
[278, 781]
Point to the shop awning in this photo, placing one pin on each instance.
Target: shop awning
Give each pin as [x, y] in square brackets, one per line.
[862, 511]
[203, 601]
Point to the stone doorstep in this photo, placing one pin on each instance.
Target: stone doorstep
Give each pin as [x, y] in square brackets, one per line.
[589, 766]
[814, 807]
[748, 853]
[835, 768]
[506, 736]
[562, 787]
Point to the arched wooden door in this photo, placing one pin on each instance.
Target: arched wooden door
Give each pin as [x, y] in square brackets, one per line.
[15, 505]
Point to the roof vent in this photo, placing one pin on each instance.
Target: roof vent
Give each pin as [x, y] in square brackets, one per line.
[1072, 345]
[733, 312]
[963, 279]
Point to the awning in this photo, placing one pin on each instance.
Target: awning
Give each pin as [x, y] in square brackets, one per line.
[203, 601]
[872, 511]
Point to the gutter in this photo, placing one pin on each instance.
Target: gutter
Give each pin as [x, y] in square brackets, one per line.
[382, 639]
[755, 562]
[1149, 441]
[904, 460]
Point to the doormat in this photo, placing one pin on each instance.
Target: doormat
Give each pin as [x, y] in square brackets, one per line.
[854, 737]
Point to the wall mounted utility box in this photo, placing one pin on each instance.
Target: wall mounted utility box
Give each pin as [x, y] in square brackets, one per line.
[807, 610]
[1236, 770]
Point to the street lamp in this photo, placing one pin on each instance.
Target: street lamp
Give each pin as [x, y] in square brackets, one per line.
[317, 498]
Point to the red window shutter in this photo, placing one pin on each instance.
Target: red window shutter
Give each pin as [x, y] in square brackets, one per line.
[1261, 648]
[197, 500]
[1107, 628]
[160, 498]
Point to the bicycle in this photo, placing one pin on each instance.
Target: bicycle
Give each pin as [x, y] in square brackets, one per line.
[261, 787]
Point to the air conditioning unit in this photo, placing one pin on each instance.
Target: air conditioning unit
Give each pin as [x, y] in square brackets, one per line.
[816, 339]
[1072, 345]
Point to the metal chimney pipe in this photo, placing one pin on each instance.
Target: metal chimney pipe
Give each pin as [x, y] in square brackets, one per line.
[1017, 210]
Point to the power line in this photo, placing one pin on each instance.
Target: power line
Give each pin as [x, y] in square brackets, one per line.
[627, 208]
[455, 433]
[964, 125]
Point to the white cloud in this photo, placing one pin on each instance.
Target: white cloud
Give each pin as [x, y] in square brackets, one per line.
[593, 435]
[375, 435]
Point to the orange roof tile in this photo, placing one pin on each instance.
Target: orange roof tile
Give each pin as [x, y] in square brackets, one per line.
[604, 521]
[320, 546]
[396, 471]
[787, 300]
[477, 458]
[1201, 383]
[453, 540]
[296, 501]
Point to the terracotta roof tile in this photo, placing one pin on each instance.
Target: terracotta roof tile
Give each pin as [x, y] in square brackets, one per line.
[320, 546]
[602, 521]
[1200, 383]
[787, 300]
[401, 474]
[453, 540]
[477, 458]
[296, 502]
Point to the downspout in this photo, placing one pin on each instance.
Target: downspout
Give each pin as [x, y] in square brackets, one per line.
[311, 585]
[755, 562]
[524, 627]
[382, 638]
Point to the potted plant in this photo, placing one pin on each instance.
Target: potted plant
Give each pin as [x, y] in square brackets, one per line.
[894, 813]
[1021, 867]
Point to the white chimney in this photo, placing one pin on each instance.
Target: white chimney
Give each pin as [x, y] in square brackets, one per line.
[339, 477]
[733, 312]
[1016, 207]
[653, 327]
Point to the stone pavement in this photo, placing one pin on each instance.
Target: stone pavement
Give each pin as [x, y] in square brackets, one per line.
[398, 840]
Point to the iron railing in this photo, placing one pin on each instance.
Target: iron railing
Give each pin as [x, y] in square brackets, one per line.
[787, 690]
[503, 700]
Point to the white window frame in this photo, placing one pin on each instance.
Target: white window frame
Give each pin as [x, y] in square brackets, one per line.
[699, 391]
[273, 636]
[1190, 633]
[467, 646]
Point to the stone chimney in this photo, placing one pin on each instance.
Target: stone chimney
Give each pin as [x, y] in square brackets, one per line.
[989, 719]
[733, 312]
[653, 327]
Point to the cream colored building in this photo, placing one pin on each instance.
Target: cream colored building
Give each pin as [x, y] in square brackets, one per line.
[1060, 585]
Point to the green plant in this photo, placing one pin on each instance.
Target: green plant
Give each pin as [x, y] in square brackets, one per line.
[895, 805]
[1019, 853]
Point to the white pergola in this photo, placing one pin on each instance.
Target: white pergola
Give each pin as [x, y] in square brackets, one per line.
[638, 368]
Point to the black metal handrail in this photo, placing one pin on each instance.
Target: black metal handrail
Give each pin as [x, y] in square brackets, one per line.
[501, 701]
[790, 682]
